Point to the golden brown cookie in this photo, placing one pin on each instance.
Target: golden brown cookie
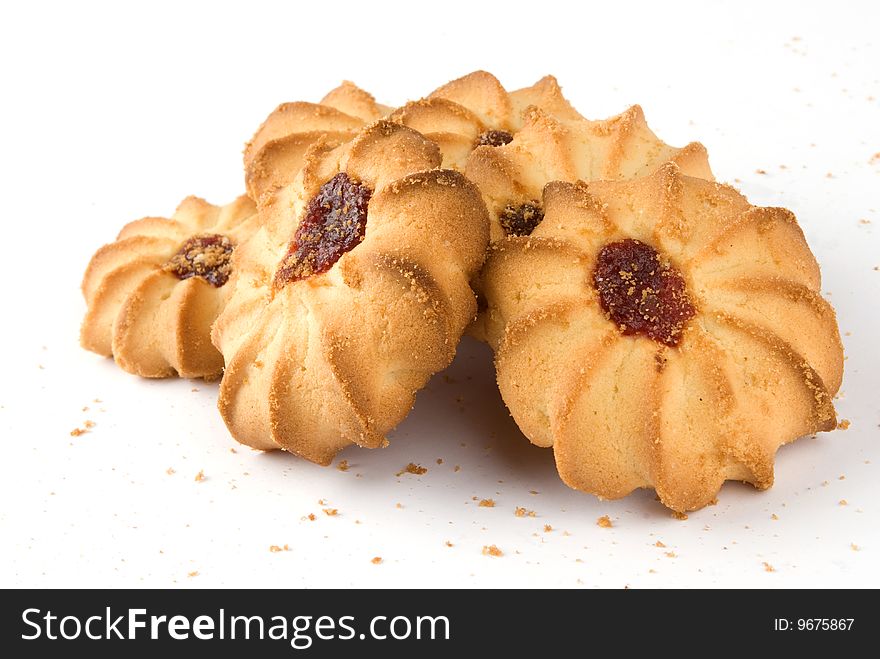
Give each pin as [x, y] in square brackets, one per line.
[154, 293]
[661, 333]
[351, 295]
[511, 144]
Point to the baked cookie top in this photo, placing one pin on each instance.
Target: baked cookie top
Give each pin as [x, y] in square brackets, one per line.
[352, 293]
[153, 294]
[661, 332]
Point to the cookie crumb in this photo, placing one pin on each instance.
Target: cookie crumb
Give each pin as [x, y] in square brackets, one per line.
[76, 432]
[376, 560]
[844, 424]
[170, 471]
[659, 544]
[89, 424]
[547, 528]
[398, 505]
[604, 522]
[449, 544]
[768, 567]
[492, 550]
[671, 554]
[456, 468]
[487, 503]
[200, 476]
[194, 573]
[854, 546]
[843, 502]
[679, 516]
[760, 171]
[343, 465]
[232, 450]
[311, 517]
[412, 468]
[523, 512]
[774, 517]
[275, 548]
[331, 512]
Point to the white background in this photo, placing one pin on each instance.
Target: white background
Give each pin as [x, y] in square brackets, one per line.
[114, 111]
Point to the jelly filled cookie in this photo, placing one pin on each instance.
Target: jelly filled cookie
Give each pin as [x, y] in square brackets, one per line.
[351, 295]
[661, 333]
[153, 294]
[513, 143]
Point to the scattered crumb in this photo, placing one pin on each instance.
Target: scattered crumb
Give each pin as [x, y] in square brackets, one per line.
[456, 468]
[844, 424]
[829, 175]
[76, 432]
[85, 408]
[194, 573]
[547, 528]
[449, 544]
[412, 468]
[322, 502]
[604, 522]
[842, 477]
[774, 517]
[275, 548]
[652, 571]
[864, 221]
[200, 476]
[89, 424]
[760, 171]
[487, 503]
[659, 544]
[854, 546]
[492, 550]
[170, 471]
[768, 567]
[194, 389]
[343, 465]
[331, 512]
[875, 158]
[679, 516]
[232, 450]
[376, 560]
[398, 505]
[843, 502]
[534, 492]
[311, 517]
[522, 512]
[671, 554]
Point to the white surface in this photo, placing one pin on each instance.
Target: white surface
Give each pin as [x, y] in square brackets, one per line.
[112, 112]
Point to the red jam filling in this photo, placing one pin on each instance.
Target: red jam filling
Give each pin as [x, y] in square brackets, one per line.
[641, 293]
[521, 220]
[494, 138]
[208, 256]
[334, 223]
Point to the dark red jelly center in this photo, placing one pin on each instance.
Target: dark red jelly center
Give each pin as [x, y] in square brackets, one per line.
[334, 223]
[208, 256]
[521, 220]
[494, 138]
[641, 293]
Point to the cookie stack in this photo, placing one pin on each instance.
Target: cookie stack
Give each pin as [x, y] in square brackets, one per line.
[649, 324]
